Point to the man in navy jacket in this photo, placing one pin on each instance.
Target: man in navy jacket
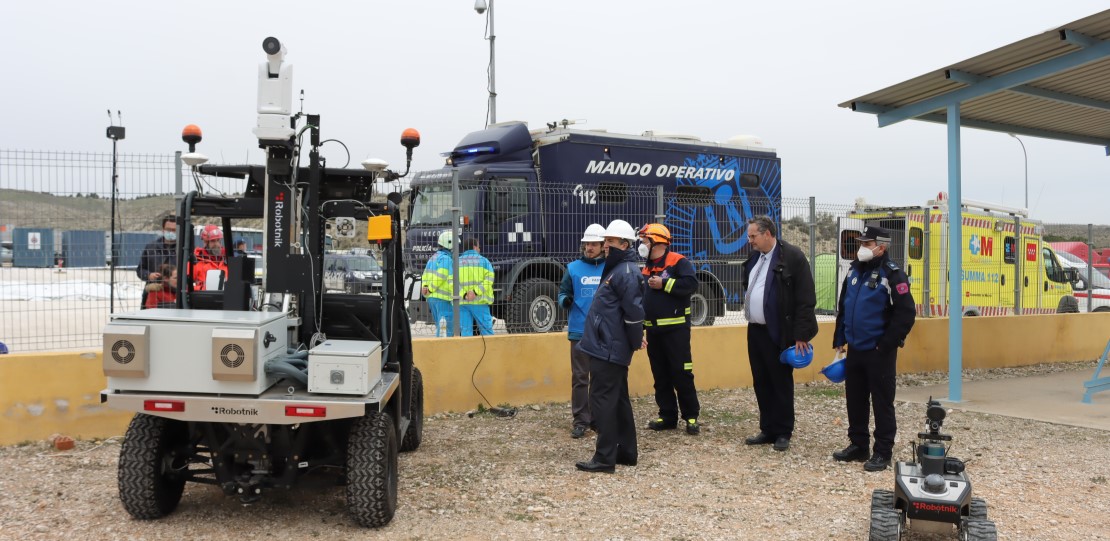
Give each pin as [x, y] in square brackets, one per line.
[614, 330]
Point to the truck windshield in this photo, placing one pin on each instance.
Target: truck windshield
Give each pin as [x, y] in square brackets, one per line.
[432, 205]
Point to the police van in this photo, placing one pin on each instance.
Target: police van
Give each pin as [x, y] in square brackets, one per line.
[1004, 253]
[527, 196]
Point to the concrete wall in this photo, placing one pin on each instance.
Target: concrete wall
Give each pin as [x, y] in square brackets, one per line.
[46, 393]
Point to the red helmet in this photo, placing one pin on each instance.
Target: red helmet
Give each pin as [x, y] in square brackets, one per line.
[211, 232]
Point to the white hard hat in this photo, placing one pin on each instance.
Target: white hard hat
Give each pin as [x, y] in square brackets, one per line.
[620, 229]
[445, 239]
[594, 233]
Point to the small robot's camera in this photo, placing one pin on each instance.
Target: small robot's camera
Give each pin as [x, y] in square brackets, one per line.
[271, 45]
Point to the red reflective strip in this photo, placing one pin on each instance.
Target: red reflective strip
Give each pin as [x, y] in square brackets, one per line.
[163, 405]
[305, 411]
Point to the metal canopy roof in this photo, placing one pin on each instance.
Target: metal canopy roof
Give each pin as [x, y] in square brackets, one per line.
[1054, 85]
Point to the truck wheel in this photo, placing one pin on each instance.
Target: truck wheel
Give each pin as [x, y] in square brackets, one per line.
[533, 308]
[978, 508]
[886, 525]
[372, 470]
[415, 432]
[152, 465]
[882, 499]
[1102, 309]
[979, 529]
[701, 307]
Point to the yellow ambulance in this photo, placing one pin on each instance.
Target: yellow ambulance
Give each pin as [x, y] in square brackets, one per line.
[998, 243]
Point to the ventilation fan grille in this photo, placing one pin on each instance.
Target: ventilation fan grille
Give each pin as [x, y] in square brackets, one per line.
[232, 355]
[123, 351]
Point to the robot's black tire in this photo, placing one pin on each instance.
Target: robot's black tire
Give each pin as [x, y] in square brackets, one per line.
[978, 508]
[415, 432]
[882, 499]
[979, 529]
[150, 483]
[886, 524]
[372, 470]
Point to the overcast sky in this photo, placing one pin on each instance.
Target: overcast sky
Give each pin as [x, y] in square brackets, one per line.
[713, 68]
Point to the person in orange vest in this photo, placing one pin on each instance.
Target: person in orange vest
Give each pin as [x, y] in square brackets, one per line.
[671, 280]
[211, 256]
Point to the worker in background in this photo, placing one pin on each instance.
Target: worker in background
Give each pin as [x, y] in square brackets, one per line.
[670, 280]
[576, 292]
[476, 289]
[160, 251]
[875, 314]
[210, 256]
[614, 330]
[436, 284]
[779, 301]
[163, 293]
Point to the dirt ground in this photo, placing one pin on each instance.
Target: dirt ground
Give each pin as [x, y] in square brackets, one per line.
[487, 477]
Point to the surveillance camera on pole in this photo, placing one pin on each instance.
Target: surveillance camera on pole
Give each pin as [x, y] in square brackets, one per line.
[275, 96]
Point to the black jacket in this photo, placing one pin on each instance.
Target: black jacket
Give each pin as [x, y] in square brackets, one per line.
[615, 323]
[789, 296]
[673, 301]
[154, 255]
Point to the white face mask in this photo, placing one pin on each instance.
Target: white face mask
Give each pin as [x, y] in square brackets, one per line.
[643, 250]
[865, 254]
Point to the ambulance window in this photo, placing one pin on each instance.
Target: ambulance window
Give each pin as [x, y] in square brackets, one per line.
[1052, 268]
[689, 196]
[1009, 248]
[612, 192]
[917, 238]
[848, 244]
[749, 181]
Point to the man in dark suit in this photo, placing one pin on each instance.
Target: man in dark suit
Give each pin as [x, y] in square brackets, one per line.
[779, 298]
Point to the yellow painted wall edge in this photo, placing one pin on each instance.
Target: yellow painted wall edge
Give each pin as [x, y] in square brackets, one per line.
[47, 393]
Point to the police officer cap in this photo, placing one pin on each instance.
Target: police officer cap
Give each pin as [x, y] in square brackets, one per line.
[875, 232]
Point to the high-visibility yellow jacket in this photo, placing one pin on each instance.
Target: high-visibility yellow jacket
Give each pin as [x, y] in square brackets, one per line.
[475, 274]
[437, 276]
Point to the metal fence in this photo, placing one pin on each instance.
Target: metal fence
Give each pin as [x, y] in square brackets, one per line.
[55, 214]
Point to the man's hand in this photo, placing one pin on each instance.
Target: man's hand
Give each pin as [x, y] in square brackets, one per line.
[655, 282]
[470, 295]
[842, 349]
[801, 347]
[154, 277]
[644, 344]
[424, 291]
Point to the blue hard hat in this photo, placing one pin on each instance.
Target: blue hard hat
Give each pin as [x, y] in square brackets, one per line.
[835, 371]
[3, 349]
[790, 356]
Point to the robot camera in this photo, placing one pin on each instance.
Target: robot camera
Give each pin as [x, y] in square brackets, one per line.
[271, 46]
[936, 415]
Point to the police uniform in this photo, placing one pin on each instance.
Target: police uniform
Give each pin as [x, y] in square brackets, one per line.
[875, 314]
[667, 323]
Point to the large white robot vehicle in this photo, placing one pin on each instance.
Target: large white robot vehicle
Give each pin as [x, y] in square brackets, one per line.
[259, 382]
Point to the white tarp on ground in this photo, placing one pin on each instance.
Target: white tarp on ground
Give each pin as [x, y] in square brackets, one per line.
[68, 290]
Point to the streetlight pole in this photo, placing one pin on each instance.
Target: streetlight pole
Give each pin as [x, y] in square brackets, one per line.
[1026, 168]
[480, 7]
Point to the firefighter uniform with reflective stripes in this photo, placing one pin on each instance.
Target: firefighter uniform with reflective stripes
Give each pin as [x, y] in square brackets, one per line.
[437, 278]
[475, 276]
[667, 322]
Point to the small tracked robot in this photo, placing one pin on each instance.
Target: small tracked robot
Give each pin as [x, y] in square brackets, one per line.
[932, 494]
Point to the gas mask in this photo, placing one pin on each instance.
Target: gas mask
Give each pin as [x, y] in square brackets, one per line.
[865, 254]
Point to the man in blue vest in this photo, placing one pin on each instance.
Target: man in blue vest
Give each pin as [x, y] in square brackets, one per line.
[576, 292]
[874, 316]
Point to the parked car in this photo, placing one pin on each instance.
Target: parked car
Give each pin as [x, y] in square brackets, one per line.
[5, 256]
[1079, 250]
[352, 273]
[1098, 290]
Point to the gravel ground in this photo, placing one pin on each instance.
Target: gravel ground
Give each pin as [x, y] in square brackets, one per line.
[486, 477]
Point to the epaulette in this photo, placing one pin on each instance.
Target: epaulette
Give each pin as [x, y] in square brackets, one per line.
[893, 266]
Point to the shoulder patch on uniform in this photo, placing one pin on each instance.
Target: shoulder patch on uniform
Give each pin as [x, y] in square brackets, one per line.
[902, 288]
[892, 265]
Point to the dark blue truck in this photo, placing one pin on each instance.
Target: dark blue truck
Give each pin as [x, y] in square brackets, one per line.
[528, 196]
